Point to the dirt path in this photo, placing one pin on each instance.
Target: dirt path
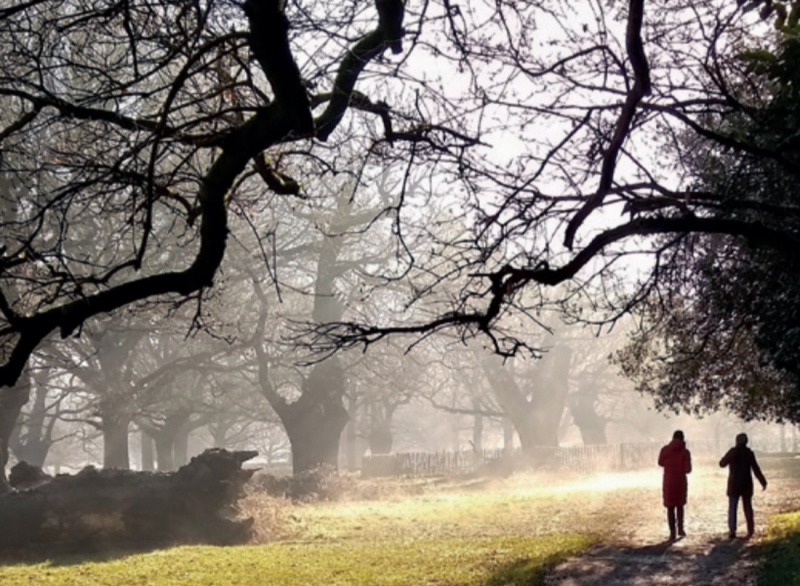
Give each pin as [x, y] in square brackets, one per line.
[714, 562]
[639, 554]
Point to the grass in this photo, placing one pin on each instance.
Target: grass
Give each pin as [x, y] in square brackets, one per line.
[505, 534]
[443, 562]
[477, 532]
[781, 551]
[496, 512]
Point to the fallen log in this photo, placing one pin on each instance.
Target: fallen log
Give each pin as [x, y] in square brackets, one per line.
[121, 509]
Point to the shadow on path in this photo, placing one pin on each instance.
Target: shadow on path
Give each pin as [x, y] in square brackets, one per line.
[699, 563]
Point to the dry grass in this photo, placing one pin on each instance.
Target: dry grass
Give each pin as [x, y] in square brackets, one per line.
[428, 509]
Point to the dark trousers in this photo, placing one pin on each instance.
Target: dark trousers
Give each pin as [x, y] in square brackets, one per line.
[672, 517]
[747, 505]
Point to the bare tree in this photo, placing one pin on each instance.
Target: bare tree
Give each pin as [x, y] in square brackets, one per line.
[592, 184]
[126, 115]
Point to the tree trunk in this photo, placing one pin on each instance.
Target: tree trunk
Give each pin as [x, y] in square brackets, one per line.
[115, 443]
[583, 406]
[315, 441]
[533, 432]
[32, 443]
[477, 432]
[536, 415]
[164, 452]
[314, 423]
[180, 449]
[171, 440]
[550, 400]
[148, 452]
[508, 436]
[380, 438]
[593, 430]
[350, 436]
[219, 431]
[34, 453]
[12, 400]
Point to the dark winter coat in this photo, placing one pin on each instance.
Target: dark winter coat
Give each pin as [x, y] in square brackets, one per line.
[677, 463]
[741, 461]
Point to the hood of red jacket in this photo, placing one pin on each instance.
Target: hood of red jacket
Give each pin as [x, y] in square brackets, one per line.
[676, 445]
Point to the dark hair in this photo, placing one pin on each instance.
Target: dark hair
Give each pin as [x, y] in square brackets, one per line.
[741, 439]
[678, 435]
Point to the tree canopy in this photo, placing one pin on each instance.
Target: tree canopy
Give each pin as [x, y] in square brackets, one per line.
[724, 330]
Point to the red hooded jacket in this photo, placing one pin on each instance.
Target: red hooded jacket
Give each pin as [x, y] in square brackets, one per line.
[677, 463]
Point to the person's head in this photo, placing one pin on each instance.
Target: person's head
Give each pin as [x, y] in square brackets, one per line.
[741, 439]
[678, 435]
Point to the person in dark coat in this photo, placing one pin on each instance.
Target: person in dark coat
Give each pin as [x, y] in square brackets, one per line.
[742, 464]
[677, 463]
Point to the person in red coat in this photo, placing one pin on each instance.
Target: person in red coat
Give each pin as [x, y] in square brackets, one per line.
[677, 463]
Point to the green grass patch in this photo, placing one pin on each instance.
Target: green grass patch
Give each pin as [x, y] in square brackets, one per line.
[488, 561]
[781, 551]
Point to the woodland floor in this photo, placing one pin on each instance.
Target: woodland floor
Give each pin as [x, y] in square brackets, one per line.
[636, 551]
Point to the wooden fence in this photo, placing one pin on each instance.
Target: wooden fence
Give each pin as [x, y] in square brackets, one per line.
[430, 463]
[580, 459]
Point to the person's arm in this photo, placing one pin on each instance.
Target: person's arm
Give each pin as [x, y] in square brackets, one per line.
[726, 459]
[661, 457]
[758, 473]
[688, 462]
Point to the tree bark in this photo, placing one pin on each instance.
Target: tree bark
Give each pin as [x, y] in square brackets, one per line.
[314, 423]
[164, 444]
[180, 447]
[219, 429]
[380, 438]
[584, 414]
[508, 436]
[33, 445]
[536, 415]
[12, 400]
[380, 435]
[351, 437]
[171, 439]
[115, 442]
[148, 452]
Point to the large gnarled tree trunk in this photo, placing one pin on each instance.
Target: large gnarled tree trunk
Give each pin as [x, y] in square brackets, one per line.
[536, 415]
[314, 423]
[33, 434]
